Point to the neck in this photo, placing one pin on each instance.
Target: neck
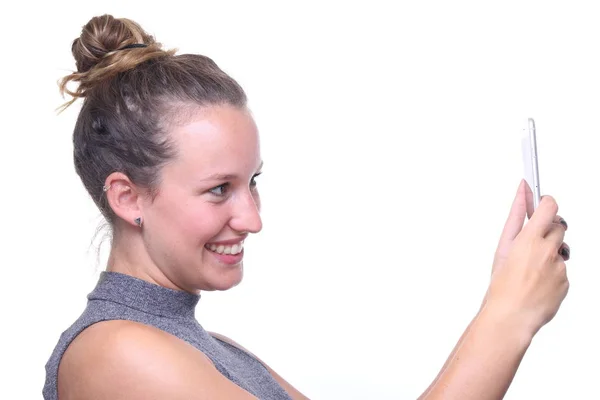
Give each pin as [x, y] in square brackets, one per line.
[129, 256]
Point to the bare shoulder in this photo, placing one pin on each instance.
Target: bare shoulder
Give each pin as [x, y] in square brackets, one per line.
[128, 360]
[292, 391]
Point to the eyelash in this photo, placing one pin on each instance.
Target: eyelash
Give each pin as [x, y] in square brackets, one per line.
[226, 185]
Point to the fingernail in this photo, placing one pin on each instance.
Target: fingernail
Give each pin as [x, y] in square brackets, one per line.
[564, 223]
[565, 253]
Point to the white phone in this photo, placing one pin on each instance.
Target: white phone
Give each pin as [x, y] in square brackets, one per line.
[530, 164]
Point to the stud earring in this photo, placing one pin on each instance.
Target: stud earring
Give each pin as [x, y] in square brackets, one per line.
[138, 221]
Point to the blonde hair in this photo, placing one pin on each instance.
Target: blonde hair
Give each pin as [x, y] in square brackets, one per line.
[99, 53]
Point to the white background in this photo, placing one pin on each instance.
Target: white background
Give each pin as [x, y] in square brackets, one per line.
[390, 134]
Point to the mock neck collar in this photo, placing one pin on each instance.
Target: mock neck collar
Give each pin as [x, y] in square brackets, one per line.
[144, 296]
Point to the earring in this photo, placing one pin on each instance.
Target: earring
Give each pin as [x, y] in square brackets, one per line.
[138, 221]
[105, 188]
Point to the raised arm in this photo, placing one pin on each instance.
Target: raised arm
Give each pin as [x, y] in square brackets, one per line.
[528, 285]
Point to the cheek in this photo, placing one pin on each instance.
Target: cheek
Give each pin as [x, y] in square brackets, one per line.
[188, 220]
[200, 223]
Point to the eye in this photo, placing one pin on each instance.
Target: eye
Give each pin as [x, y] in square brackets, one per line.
[253, 180]
[220, 190]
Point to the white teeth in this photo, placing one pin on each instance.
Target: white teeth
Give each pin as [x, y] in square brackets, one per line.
[237, 248]
[221, 249]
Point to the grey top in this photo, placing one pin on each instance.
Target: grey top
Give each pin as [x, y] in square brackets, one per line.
[123, 297]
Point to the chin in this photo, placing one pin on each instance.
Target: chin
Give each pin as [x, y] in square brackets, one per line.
[229, 279]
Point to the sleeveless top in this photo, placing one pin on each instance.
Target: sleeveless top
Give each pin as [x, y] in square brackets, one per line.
[122, 297]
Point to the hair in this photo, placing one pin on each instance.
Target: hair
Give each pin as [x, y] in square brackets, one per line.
[131, 95]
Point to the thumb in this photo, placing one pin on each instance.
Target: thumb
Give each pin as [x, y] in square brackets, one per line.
[516, 216]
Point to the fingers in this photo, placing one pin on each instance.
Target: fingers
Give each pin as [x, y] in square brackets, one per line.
[513, 224]
[565, 251]
[547, 223]
[516, 216]
[556, 235]
[560, 220]
[543, 218]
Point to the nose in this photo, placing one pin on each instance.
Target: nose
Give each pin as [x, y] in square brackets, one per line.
[246, 214]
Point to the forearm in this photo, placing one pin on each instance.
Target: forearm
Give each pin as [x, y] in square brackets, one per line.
[450, 358]
[453, 353]
[484, 361]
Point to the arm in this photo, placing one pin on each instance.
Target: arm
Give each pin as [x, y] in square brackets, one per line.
[123, 360]
[484, 361]
[293, 392]
[450, 357]
[528, 285]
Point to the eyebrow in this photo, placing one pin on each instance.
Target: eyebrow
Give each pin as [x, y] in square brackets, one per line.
[226, 177]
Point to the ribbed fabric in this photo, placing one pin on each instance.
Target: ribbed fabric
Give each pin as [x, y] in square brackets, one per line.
[123, 297]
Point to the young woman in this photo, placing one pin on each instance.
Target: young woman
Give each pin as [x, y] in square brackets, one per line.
[168, 150]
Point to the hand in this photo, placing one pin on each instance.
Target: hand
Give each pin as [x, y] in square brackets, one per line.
[529, 278]
[523, 201]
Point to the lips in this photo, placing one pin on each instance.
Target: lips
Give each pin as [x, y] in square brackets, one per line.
[227, 254]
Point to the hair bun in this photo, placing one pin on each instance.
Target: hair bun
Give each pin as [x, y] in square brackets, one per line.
[106, 47]
[103, 35]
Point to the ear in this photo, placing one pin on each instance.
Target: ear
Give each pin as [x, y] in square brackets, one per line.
[124, 197]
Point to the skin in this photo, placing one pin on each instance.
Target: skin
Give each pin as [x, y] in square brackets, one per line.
[194, 207]
[528, 285]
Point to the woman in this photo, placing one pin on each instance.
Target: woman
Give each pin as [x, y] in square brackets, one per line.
[169, 152]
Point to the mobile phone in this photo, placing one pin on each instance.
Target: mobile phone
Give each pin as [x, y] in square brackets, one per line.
[530, 165]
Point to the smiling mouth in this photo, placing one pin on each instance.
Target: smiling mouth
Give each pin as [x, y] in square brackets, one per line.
[226, 249]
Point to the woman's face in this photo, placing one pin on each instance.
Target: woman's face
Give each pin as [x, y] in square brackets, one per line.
[207, 201]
